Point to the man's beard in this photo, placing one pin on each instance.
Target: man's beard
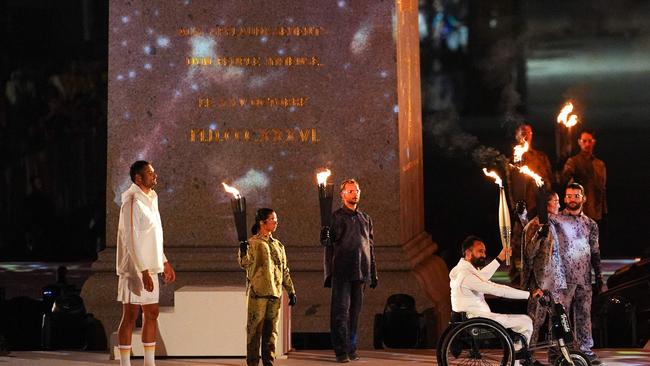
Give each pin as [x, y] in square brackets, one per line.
[478, 262]
[574, 206]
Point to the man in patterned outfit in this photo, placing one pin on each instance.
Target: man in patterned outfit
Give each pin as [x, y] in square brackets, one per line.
[577, 237]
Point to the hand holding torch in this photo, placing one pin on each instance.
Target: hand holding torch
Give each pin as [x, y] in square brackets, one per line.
[542, 211]
[505, 229]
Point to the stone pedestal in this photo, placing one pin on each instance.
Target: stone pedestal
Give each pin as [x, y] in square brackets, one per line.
[195, 324]
[260, 95]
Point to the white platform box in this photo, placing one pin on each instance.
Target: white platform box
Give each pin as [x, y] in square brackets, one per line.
[207, 321]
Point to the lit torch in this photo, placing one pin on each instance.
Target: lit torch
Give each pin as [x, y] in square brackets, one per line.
[238, 204]
[541, 197]
[517, 156]
[505, 229]
[565, 118]
[325, 197]
[494, 175]
[565, 136]
[518, 190]
[526, 170]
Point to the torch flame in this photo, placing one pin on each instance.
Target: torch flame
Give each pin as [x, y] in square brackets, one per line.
[494, 175]
[564, 118]
[322, 176]
[526, 170]
[231, 190]
[519, 151]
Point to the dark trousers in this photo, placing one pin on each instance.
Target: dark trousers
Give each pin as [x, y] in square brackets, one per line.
[347, 297]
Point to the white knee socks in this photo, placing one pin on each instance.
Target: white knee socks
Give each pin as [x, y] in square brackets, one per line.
[125, 355]
[149, 352]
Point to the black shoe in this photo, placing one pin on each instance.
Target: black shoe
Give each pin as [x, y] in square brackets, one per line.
[342, 358]
[354, 356]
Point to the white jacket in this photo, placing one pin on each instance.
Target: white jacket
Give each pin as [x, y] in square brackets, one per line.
[468, 285]
[139, 234]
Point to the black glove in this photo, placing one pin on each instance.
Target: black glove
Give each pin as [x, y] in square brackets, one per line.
[520, 207]
[325, 236]
[373, 282]
[243, 248]
[546, 299]
[599, 285]
[542, 232]
[292, 299]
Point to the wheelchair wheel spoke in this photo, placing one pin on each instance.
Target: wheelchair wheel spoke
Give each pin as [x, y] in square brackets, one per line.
[477, 342]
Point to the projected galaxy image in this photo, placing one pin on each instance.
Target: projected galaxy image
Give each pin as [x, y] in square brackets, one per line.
[242, 93]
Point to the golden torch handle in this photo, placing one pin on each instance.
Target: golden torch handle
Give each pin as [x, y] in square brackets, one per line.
[507, 246]
[504, 223]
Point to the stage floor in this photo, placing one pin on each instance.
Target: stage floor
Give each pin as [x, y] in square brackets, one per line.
[610, 357]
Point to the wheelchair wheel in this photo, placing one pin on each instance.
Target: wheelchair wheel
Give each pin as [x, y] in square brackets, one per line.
[578, 358]
[477, 341]
[441, 343]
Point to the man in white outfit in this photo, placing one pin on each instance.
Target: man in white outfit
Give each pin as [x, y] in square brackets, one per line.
[140, 259]
[470, 280]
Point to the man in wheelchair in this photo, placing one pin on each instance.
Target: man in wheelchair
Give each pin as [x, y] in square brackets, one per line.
[470, 280]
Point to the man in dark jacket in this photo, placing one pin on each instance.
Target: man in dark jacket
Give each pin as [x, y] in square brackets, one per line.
[349, 265]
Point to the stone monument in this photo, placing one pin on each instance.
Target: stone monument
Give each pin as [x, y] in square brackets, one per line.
[261, 95]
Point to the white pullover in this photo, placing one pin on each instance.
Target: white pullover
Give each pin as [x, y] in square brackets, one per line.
[468, 286]
[139, 234]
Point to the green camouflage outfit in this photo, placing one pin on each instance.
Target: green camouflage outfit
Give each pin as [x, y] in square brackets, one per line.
[267, 273]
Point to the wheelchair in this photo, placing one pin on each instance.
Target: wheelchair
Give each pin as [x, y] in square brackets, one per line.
[482, 341]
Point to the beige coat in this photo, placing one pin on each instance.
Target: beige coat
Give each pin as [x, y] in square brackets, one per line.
[267, 271]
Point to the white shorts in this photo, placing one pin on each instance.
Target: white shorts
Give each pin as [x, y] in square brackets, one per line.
[130, 290]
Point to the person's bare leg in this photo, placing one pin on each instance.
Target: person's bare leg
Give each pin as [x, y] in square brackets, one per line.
[149, 327]
[149, 322]
[125, 332]
[129, 316]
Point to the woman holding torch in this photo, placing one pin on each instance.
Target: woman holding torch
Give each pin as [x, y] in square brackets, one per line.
[267, 273]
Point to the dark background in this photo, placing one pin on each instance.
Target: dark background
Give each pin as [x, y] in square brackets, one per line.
[520, 62]
[52, 129]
